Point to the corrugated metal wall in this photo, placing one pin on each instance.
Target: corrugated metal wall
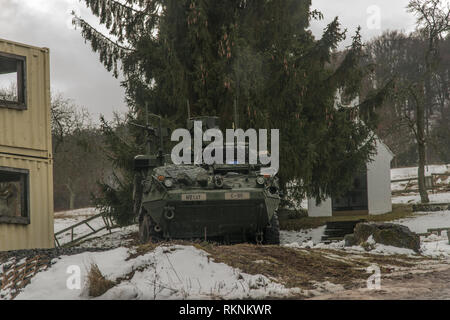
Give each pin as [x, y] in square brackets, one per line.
[39, 233]
[29, 129]
[25, 143]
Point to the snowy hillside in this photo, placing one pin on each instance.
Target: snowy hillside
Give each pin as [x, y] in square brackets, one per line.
[411, 172]
[402, 193]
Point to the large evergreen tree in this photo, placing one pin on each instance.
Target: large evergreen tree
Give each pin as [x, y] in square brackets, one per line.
[257, 54]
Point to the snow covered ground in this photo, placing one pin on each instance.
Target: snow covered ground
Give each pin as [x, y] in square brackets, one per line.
[65, 219]
[414, 197]
[314, 235]
[104, 238]
[168, 272]
[411, 172]
[422, 221]
[186, 272]
[432, 246]
[443, 197]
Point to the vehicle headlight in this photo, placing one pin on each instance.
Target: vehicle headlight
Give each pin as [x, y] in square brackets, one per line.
[218, 181]
[260, 180]
[168, 183]
[273, 190]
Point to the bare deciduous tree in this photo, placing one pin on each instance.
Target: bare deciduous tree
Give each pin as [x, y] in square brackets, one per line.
[79, 161]
[433, 23]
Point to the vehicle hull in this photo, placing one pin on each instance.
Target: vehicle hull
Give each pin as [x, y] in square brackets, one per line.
[218, 216]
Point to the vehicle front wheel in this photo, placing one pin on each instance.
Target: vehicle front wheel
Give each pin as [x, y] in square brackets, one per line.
[144, 229]
[272, 232]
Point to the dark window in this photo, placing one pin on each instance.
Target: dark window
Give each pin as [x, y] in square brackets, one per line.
[12, 81]
[14, 196]
[354, 199]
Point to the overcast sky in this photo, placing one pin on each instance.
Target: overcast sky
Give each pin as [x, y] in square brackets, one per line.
[77, 73]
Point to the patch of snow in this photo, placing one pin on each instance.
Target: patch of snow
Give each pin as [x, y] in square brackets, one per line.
[390, 250]
[370, 240]
[311, 245]
[434, 246]
[340, 245]
[422, 221]
[314, 235]
[117, 238]
[189, 273]
[51, 284]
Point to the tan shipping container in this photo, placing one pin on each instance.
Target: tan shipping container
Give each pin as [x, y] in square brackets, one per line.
[38, 231]
[28, 130]
[26, 170]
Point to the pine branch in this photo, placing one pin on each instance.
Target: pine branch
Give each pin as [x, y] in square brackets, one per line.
[374, 100]
[94, 5]
[329, 41]
[110, 51]
[124, 21]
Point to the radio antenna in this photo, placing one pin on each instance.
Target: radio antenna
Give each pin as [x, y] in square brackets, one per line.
[188, 109]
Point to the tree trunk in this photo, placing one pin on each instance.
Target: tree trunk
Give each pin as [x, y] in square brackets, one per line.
[421, 148]
[72, 195]
[72, 201]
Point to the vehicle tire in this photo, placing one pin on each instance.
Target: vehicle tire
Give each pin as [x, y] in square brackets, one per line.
[144, 229]
[272, 232]
[137, 194]
[147, 231]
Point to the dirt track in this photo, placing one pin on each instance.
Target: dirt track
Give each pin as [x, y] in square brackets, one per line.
[426, 286]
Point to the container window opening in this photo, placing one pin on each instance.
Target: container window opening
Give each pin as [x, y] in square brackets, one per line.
[13, 195]
[12, 81]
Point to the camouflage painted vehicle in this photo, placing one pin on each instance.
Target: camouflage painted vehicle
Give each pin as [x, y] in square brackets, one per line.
[228, 203]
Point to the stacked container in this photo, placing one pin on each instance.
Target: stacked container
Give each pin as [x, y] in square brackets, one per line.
[26, 179]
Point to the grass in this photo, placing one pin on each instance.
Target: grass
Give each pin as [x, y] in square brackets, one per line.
[399, 211]
[291, 267]
[97, 284]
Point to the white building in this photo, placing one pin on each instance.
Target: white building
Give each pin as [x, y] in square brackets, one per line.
[371, 194]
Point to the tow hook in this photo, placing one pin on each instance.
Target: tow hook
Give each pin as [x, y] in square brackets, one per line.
[259, 238]
[169, 213]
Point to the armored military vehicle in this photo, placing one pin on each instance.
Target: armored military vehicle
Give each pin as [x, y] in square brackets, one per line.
[222, 202]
